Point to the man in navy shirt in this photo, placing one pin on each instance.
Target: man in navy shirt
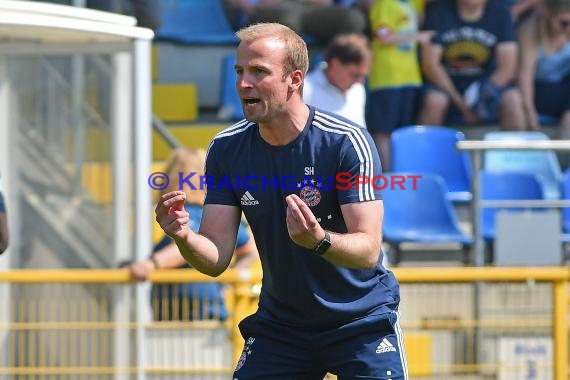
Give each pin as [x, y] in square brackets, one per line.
[299, 174]
[471, 65]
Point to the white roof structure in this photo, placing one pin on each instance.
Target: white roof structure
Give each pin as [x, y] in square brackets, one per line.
[44, 22]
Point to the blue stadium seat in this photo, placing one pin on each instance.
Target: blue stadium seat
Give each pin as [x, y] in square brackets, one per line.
[230, 104]
[431, 149]
[422, 215]
[505, 186]
[543, 164]
[195, 22]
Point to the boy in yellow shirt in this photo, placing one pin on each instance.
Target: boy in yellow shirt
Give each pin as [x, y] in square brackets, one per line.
[395, 81]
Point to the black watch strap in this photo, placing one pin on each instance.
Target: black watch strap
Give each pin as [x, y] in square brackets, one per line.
[323, 245]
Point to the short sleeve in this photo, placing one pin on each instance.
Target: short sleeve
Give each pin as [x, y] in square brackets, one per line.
[430, 22]
[506, 32]
[219, 188]
[359, 176]
[383, 15]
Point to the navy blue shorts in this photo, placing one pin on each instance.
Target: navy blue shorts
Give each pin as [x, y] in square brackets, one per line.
[552, 99]
[391, 108]
[368, 348]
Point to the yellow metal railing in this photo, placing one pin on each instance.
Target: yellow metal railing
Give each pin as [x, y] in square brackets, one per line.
[59, 324]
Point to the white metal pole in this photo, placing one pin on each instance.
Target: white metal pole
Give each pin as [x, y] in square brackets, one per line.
[143, 201]
[121, 126]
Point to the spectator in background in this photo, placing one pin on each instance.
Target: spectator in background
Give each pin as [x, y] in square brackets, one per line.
[338, 84]
[192, 300]
[470, 65]
[3, 222]
[395, 79]
[147, 12]
[418, 5]
[545, 65]
[321, 19]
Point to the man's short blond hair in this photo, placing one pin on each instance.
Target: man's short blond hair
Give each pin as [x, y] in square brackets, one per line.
[296, 53]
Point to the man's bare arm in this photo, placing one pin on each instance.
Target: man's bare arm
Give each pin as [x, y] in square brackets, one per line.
[210, 250]
[359, 248]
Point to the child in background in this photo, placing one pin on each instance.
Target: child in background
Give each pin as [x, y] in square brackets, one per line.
[395, 81]
[189, 301]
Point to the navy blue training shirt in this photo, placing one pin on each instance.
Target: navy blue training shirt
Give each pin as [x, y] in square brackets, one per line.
[299, 287]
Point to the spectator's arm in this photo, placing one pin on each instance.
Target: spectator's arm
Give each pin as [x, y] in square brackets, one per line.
[386, 37]
[524, 6]
[507, 64]
[435, 72]
[167, 257]
[527, 52]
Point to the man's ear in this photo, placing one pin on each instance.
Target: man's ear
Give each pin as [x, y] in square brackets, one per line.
[297, 79]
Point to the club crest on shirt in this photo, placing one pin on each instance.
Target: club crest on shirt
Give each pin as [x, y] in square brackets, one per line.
[310, 195]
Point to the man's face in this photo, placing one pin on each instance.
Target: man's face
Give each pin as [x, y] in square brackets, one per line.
[470, 4]
[343, 76]
[260, 83]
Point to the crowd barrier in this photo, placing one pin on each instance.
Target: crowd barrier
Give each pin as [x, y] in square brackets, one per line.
[460, 323]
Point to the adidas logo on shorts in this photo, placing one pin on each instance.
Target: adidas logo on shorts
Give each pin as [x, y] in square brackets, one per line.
[385, 346]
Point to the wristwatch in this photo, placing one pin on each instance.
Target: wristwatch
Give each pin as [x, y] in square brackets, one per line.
[323, 245]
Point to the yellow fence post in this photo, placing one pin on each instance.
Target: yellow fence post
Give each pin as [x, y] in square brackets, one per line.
[560, 329]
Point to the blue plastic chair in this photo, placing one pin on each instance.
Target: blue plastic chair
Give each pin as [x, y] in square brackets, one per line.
[431, 149]
[505, 186]
[230, 104]
[543, 164]
[422, 215]
[195, 22]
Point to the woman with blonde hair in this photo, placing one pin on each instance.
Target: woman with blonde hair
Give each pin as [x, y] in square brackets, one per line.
[191, 301]
[545, 65]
